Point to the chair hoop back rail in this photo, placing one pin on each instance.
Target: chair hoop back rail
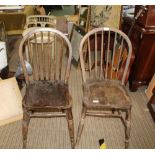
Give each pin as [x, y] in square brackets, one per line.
[102, 31]
[32, 34]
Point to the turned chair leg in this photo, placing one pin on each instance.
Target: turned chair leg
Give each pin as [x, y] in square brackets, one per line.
[70, 122]
[81, 125]
[127, 128]
[25, 124]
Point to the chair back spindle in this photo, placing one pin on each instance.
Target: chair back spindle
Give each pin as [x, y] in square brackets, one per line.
[108, 51]
[44, 49]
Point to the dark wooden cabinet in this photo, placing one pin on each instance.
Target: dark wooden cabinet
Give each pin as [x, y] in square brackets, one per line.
[147, 17]
[143, 42]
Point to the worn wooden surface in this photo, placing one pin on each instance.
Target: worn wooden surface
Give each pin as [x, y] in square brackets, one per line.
[47, 87]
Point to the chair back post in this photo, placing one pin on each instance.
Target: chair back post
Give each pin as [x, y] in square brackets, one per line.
[106, 43]
[50, 32]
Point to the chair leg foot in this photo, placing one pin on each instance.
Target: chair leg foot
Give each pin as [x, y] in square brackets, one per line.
[126, 144]
[25, 124]
[70, 122]
[24, 144]
[127, 128]
[81, 126]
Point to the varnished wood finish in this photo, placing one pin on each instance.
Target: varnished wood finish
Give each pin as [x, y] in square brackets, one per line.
[143, 42]
[104, 95]
[146, 18]
[151, 104]
[47, 87]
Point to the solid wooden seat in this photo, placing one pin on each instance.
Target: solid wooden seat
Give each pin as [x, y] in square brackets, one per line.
[106, 94]
[105, 55]
[47, 94]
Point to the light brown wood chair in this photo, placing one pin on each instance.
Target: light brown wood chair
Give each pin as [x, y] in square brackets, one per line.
[47, 93]
[104, 94]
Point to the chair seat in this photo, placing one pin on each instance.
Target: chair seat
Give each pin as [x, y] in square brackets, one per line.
[47, 94]
[107, 93]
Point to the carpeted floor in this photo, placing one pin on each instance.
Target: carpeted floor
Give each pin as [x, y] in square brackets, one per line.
[53, 132]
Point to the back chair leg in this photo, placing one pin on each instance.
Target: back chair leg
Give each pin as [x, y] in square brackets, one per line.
[70, 122]
[127, 128]
[25, 124]
[81, 125]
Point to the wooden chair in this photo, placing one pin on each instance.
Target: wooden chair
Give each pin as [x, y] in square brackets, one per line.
[104, 94]
[47, 93]
[40, 21]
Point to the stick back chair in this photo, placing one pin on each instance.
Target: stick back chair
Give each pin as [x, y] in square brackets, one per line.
[47, 93]
[104, 94]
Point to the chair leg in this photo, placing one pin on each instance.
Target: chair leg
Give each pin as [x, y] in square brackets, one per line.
[81, 125]
[70, 122]
[25, 124]
[127, 128]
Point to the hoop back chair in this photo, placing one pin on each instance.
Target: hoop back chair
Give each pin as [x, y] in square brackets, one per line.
[47, 93]
[41, 21]
[104, 94]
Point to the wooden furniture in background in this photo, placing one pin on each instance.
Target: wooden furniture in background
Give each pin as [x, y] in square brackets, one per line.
[146, 18]
[103, 96]
[15, 21]
[40, 21]
[150, 93]
[59, 23]
[151, 104]
[150, 87]
[143, 42]
[47, 91]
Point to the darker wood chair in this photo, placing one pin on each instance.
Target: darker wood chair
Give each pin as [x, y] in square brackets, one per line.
[104, 93]
[47, 93]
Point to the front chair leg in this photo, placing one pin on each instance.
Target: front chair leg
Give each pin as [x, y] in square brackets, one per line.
[127, 128]
[70, 122]
[81, 125]
[25, 124]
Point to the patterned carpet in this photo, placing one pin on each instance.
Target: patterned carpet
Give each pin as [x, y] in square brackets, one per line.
[53, 132]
